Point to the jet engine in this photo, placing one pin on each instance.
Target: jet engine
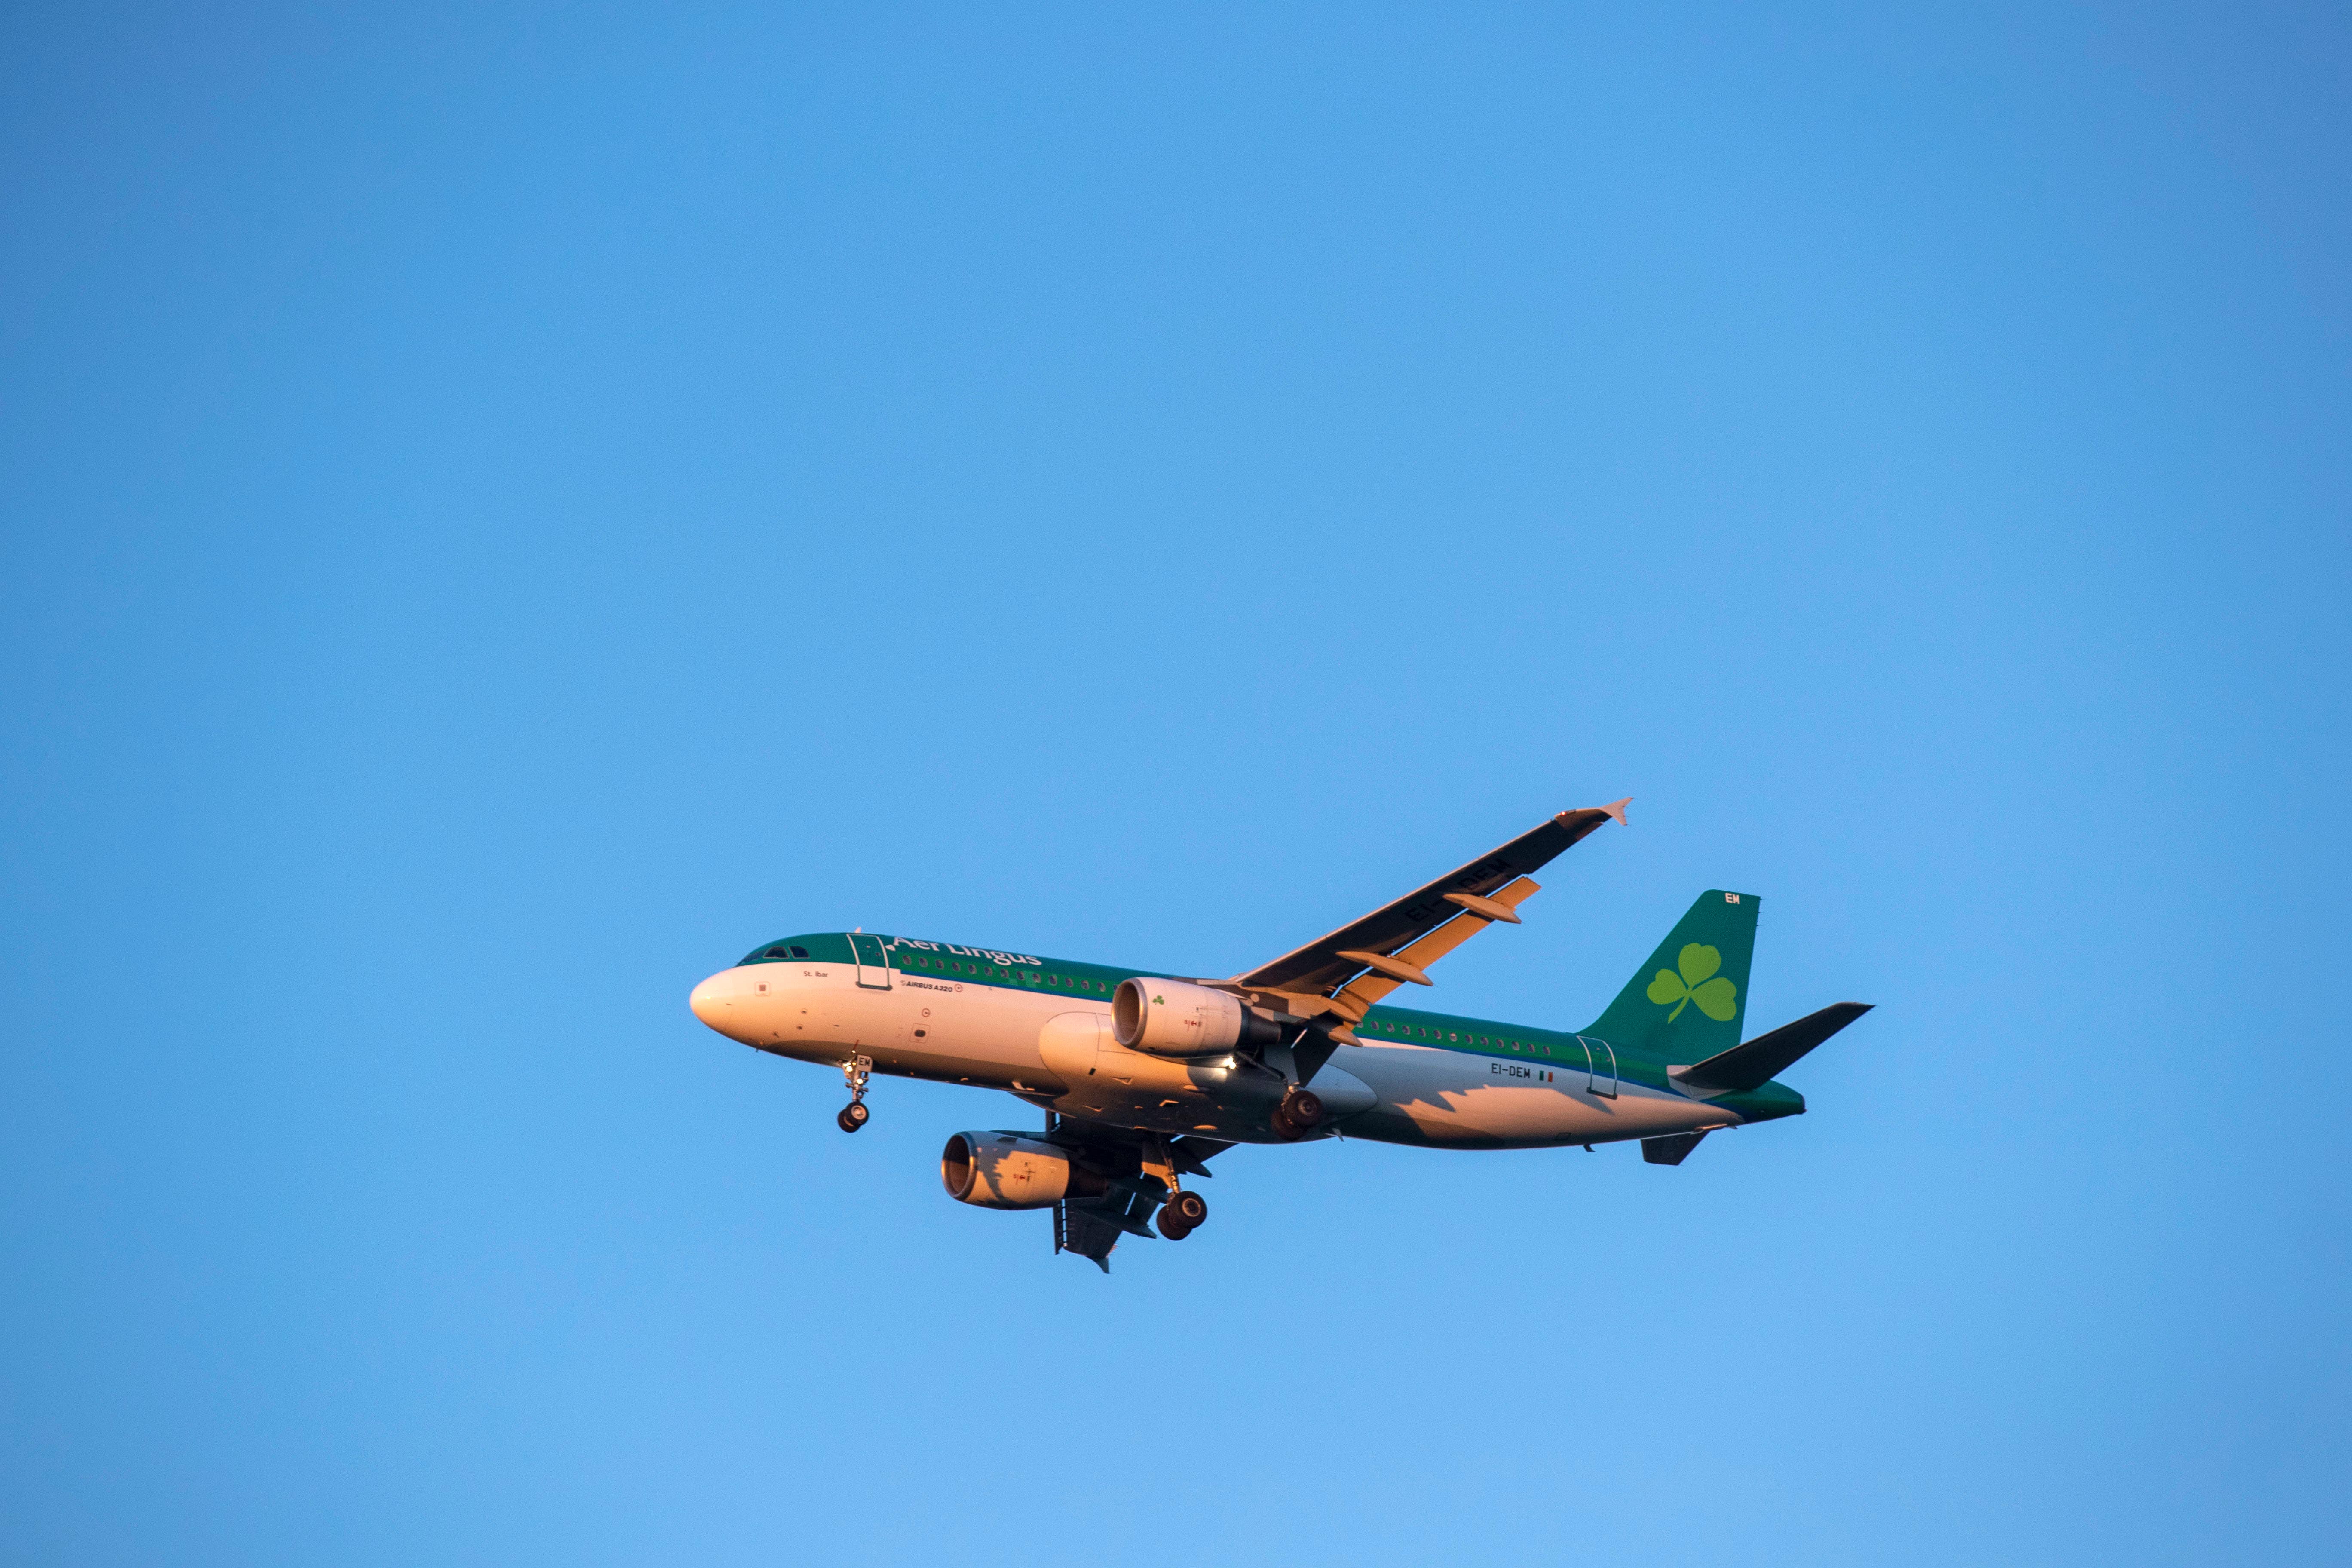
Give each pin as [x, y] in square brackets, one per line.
[1007, 1171]
[1172, 1018]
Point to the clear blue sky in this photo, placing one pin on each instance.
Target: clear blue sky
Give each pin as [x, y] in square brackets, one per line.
[505, 509]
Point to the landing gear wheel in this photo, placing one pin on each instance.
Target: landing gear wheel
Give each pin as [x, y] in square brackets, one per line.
[1299, 1113]
[853, 1116]
[1170, 1226]
[1187, 1209]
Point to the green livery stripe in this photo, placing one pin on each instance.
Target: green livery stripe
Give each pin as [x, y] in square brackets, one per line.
[951, 962]
[1674, 1011]
[1556, 1050]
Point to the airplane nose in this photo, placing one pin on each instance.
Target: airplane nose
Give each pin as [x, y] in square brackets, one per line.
[709, 1000]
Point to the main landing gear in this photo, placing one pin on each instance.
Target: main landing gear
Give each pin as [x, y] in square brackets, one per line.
[854, 1072]
[1300, 1112]
[1182, 1214]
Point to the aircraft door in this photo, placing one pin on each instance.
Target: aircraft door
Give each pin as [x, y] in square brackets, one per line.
[873, 955]
[1599, 1066]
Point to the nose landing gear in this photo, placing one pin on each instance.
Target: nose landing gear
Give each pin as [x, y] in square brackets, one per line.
[854, 1072]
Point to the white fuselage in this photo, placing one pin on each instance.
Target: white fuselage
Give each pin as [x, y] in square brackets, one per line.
[1057, 1051]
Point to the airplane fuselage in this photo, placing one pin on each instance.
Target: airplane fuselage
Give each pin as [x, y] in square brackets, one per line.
[1042, 1029]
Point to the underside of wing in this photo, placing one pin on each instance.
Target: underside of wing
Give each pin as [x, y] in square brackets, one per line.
[1140, 1169]
[1078, 1228]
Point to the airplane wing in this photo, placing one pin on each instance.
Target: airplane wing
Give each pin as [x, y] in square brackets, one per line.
[1078, 1228]
[1365, 960]
[1140, 1171]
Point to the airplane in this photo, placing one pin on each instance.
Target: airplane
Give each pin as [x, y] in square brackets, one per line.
[1144, 1077]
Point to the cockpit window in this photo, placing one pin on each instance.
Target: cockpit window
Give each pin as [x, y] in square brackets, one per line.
[781, 950]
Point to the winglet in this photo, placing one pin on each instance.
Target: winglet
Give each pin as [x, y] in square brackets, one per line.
[1616, 808]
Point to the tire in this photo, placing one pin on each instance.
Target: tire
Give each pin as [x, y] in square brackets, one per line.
[1189, 1209]
[1171, 1227]
[1304, 1108]
[853, 1116]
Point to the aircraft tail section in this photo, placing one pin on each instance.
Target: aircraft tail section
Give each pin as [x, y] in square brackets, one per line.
[1686, 1004]
[1767, 1056]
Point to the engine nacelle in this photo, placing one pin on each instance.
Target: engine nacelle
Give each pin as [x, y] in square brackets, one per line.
[1006, 1171]
[1172, 1018]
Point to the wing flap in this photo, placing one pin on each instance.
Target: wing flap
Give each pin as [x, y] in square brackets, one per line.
[1192, 1152]
[1319, 967]
[1088, 1235]
[1365, 991]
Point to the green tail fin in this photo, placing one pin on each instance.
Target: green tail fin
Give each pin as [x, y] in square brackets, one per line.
[1686, 1004]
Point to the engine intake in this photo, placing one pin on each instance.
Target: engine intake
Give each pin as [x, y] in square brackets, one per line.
[1174, 1018]
[1007, 1171]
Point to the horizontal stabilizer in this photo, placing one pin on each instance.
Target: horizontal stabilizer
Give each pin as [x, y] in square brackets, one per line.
[1764, 1058]
[1669, 1148]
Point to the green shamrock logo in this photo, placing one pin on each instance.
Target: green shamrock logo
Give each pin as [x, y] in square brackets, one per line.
[1718, 998]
